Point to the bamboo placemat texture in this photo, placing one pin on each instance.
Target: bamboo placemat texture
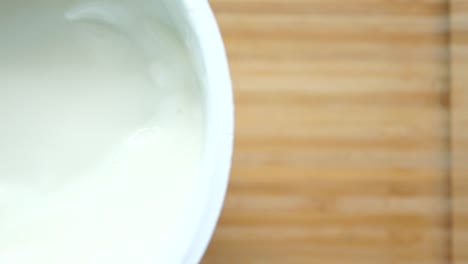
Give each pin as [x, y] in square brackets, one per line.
[352, 132]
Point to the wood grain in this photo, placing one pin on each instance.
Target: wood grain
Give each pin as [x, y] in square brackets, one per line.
[344, 133]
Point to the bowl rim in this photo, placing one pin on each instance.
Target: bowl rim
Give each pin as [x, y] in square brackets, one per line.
[219, 107]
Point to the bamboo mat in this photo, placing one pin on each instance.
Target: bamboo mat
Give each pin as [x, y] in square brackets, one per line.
[352, 132]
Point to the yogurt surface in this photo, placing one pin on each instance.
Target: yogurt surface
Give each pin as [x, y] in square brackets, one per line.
[101, 136]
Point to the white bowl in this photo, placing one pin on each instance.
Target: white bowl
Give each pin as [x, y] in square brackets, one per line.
[196, 25]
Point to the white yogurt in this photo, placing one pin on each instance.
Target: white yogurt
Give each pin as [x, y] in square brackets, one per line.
[101, 134]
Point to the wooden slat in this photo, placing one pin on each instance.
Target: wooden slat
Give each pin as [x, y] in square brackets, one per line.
[343, 132]
[459, 27]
